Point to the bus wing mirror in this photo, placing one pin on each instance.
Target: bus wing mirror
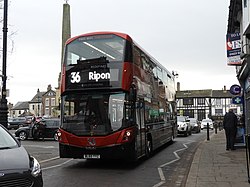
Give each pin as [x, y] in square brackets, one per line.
[132, 94]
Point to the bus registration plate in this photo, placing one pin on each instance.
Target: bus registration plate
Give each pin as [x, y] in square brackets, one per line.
[87, 156]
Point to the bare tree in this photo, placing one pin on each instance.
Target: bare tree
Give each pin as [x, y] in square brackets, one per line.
[10, 37]
[11, 33]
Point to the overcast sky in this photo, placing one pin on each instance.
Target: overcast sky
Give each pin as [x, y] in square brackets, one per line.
[187, 36]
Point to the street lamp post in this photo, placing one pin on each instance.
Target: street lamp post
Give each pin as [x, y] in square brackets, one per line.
[3, 101]
[38, 102]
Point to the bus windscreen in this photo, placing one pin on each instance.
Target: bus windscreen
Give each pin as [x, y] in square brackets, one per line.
[97, 114]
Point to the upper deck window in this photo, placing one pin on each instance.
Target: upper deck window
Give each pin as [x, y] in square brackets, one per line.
[91, 47]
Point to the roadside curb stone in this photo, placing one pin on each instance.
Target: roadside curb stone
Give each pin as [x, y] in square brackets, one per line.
[213, 166]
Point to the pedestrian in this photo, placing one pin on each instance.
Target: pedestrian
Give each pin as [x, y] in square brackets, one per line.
[41, 130]
[230, 126]
[33, 119]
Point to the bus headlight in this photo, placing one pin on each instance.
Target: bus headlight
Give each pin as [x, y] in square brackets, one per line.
[127, 135]
[59, 134]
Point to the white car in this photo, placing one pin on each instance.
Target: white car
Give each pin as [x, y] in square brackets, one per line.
[184, 126]
[204, 123]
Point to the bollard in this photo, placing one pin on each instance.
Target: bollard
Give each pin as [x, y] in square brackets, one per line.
[215, 128]
[220, 126]
[208, 131]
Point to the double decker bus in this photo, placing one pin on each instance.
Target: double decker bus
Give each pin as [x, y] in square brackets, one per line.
[117, 101]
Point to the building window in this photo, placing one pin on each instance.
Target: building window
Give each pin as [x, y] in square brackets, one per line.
[33, 107]
[218, 112]
[47, 102]
[200, 101]
[201, 114]
[53, 101]
[188, 101]
[47, 111]
[189, 113]
[218, 102]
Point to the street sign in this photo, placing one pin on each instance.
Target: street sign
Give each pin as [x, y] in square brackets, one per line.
[235, 89]
[237, 100]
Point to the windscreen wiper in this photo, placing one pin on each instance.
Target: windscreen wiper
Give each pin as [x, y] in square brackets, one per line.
[101, 59]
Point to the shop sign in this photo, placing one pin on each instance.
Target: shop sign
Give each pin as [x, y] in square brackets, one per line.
[237, 100]
[233, 49]
[235, 89]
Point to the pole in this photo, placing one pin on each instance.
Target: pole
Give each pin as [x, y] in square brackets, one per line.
[38, 106]
[3, 101]
[215, 127]
[208, 132]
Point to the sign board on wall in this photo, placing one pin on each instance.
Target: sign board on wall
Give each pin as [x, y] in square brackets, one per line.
[233, 44]
[237, 100]
[235, 89]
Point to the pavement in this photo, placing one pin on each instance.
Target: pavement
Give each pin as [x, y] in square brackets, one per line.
[213, 166]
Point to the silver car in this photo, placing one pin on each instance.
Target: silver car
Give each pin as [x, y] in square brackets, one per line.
[17, 167]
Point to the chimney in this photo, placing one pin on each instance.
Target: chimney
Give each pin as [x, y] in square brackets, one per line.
[178, 86]
[49, 87]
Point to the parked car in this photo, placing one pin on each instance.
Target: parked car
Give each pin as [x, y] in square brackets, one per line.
[15, 123]
[17, 167]
[51, 127]
[195, 124]
[183, 125]
[204, 123]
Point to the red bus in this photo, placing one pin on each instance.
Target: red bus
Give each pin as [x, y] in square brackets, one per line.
[117, 101]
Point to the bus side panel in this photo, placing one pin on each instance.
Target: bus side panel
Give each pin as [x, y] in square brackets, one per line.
[161, 134]
[127, 75]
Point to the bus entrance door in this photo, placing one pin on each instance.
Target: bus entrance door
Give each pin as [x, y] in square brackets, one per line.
[141, 127]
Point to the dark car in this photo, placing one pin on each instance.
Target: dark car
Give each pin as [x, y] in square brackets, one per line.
[46, 128]
[196, 126]
[17, 167]
[14, 123]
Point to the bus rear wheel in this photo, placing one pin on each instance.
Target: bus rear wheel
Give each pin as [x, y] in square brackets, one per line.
[149, 147]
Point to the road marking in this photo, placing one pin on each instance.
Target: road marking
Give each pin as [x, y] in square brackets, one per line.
[54, 158]
[162, 177]
[58, 165]
[40, 146]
